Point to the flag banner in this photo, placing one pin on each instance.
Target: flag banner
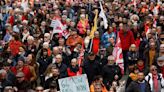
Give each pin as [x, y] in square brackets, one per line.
[103, 16]
[74, 84]
[117, 53]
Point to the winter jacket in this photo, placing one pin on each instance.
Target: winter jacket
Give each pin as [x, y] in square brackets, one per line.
[43, 64]
[105, 37]
[25, 70]
[91, 68]
[149, 79]
[135, 87]
[14, 47]
[108, 73]
[82, 27]
[74, 71]
[62, 69]
[132, 57]
[126, 39]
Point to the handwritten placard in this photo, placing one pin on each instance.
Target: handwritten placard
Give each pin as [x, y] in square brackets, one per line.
[74, 84]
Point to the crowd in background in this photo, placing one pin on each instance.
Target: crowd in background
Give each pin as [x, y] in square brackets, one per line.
[34, 54]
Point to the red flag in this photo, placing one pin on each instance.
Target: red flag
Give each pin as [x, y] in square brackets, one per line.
[117, 53]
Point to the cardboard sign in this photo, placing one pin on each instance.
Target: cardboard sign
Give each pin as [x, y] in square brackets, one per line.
[74, 84]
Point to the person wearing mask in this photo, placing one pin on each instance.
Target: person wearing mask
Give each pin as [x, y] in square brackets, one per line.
[111, 72]
[74, 69]
[140, 85]
[155, 80]
[127, 38]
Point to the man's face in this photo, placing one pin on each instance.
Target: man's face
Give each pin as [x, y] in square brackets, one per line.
[141, 76]
[55, 72]
[20, 64]
[20, 79]
[58, 59]
[160, 63]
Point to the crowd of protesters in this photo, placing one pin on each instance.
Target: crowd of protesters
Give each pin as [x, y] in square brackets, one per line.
[33, 55]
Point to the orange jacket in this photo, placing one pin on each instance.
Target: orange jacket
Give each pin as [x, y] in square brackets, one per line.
[103, 88]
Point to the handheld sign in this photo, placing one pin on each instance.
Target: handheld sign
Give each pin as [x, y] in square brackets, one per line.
[74, 84]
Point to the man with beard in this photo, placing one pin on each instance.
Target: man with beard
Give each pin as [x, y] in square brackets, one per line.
[160, 65]
[54, 79]
[74, 69]
[140, 85]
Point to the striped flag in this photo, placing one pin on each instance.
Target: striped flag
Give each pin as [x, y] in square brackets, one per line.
[117, 53]
[103, 16]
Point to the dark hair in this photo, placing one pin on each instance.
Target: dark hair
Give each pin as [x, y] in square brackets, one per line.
[16, 37]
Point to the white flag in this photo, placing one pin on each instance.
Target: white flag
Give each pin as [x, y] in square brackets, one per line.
[102, 15]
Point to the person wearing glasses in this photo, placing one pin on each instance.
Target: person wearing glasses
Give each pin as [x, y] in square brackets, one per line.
[155, 80]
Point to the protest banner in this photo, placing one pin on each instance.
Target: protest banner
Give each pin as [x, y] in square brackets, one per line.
[74, 84]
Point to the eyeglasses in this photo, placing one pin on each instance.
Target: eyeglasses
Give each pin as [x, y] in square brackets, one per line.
[153, 69]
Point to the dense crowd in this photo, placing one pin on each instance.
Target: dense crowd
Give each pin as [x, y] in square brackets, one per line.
[42, 41]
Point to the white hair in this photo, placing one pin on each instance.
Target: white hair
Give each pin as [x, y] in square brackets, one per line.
[59, 56]
[45, 45]
[74, 60]
[30, 38]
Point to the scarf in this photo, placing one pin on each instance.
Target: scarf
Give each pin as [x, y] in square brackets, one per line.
[141, 68]
[155, 82]
[25, 35]
[74, 69]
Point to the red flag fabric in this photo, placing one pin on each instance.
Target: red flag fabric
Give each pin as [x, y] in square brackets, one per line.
[117, 53]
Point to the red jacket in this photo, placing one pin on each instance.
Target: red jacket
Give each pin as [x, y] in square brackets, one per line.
[14, 47]
[126, 40]
[25, 70]
[71, 73]
[96, 45]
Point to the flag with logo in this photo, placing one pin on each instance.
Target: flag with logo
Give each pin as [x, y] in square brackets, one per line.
[117, 53]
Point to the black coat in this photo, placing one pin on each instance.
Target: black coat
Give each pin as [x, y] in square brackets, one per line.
[108, 73]
[91, 68]
[52, 80]
[23, 86]
[43, 64]
[135, 87]
[62, 69]
[5, 83]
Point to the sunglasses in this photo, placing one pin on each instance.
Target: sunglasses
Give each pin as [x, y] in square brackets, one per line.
[154, 69]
